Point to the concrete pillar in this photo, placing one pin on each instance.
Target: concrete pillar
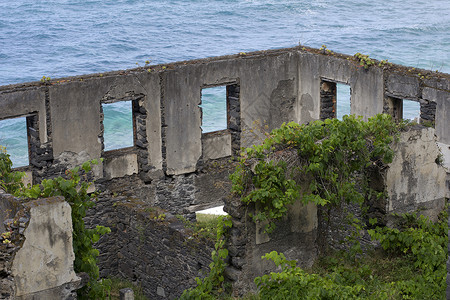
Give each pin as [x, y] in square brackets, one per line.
[126, 294]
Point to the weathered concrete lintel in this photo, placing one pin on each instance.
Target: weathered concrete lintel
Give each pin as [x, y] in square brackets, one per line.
[407, 87]
[216, 145]
[120, 165]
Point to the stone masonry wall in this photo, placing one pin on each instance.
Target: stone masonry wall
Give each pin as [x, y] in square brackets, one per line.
[9, 207]
[149, 247]
[327, 100]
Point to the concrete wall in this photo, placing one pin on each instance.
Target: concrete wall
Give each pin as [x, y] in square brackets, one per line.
[416, 178]
[36, 260]
[268, 88]
[274, 87]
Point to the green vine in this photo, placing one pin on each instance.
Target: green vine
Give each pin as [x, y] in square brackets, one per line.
[330, 157]
[213, 284]
[74, 190]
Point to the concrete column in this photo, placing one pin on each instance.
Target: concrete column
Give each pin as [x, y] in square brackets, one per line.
[126, 294]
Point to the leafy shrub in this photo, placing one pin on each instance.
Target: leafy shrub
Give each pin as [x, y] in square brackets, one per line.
[10, 181]
[294, 283]
[74, 190]
[205, 227]
[331, 155]
[425, 244]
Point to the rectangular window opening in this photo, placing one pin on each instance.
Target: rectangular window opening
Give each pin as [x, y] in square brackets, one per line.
[118, 125]
[411, 110]
[342, 100]
[214, 109]
[14, 137]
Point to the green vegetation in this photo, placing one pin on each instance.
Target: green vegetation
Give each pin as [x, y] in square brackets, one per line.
[213, 285]
[365, 61]
[45, 79]
[332, 156]
[10, 182]
[411, 267]
[205, 227]
[425, 246]
[74, 189]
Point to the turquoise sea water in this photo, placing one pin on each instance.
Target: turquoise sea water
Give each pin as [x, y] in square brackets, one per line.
[59, 38]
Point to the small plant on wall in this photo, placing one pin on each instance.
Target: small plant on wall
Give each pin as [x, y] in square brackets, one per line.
[212, 286]
[364, 60]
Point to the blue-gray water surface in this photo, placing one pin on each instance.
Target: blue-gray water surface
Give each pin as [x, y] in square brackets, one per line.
[59, 38]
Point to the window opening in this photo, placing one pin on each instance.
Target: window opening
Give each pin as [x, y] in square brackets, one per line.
[214, 109]
[411, 110]
[118, 125]
[342, 100]
[13, 136]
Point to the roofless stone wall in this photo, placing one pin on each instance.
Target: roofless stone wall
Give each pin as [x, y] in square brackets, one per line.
[173, 165]
[65, 118]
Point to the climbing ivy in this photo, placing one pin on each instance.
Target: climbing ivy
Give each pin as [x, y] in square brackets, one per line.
[330, 156]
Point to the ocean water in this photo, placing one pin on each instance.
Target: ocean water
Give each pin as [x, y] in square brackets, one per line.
[59, 38]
